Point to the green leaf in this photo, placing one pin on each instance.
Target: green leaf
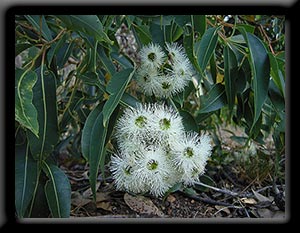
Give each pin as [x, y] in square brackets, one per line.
[173, 32]
[20, 47]
[96, 151]
[260, 67]
[248, 28]
[176, 187]
[202, 116]
[214, 99]
[67, 115]
[40, 24]
[87, 129]
[157, 34]
[143, 33]
[89, 24]
[206, 46]
[182, 20]
[122, 60]
[25, 178]
[237, 39]
[116, 87]
[188, 121]
[53, 51]
[188, 42]
[276, 98]
[25, 112]
[90, 78]
[213, 69]
[199, 23]
[44, 99]
[231, 73]
[129, 100]
[58, 191]
[107, 62]
[276, 74]
[64, 53]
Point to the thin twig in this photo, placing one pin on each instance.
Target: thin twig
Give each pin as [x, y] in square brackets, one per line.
[207, 200]
[225, 191]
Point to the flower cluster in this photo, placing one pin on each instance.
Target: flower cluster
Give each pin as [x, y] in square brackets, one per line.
[163, 74]
[155, 152]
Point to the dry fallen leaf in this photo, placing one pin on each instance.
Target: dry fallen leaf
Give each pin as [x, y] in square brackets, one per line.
[100, 196]
[171, 198]
[78, 200]
[250, 201]
[222, 208]
[88, 193]
[142, 205]
[104, 205]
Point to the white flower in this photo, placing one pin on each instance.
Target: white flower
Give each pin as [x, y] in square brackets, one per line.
[166, 122]
[122, 168]
[152, 169]
[155, 152]
[163, 77]
[133, 124]
[148, 80]
[190, 154]
[176, 53]
[152, 56]
[181, 74]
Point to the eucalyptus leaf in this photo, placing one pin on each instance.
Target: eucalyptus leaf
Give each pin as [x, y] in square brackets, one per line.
[188, 121]
[206, 47]
[231, 74]
[199, 22]
[116, 87]
[89, 24]
[86, 132]
[214, 99]
[26, 176]
[20, 47]
[25, 112]
[260, 66]
[44, 100]
[40, 24]
[143, 33]
[58, 191]
[96, 150]
[276, 74]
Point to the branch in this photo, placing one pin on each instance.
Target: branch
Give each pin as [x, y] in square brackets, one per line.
[225, 191]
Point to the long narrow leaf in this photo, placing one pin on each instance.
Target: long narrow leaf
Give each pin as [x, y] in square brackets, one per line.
[87, 129]
[25, 178]
[89, 24]
[206, 46]
[214, 99]
[231, 72]
[276, 75]
[25, 111]
[97, 150]
[188, 42]
[199, 24]
[44, 100]
[260, 67]
[116, 87]
[40, 24]
[58, 191]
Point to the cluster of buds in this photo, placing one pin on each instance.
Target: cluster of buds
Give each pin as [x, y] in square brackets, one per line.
[155, 152]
